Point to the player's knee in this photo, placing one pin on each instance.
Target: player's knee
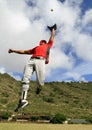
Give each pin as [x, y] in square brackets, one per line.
[25, 81]
[41, 84]
[25, 87]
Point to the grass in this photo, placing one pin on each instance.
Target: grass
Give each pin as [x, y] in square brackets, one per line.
[70, 99]
[29, 126]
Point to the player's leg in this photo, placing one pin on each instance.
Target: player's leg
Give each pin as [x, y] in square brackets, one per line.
[28, 70]
[40, 74]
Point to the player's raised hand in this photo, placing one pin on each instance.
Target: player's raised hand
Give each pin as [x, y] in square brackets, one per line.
[52, 27]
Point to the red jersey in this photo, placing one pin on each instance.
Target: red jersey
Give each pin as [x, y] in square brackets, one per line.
[41, 50]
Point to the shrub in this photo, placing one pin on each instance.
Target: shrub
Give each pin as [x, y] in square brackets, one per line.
[35, 118]
[45, 117]
[3, 100]
[48, 99]
[5, 94]
[52, 94]
[89, 120]
[5, 115]
[58, 119]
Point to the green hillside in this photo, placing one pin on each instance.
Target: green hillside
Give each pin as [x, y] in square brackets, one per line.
[74, 100]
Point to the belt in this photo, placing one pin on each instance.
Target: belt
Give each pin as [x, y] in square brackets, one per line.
[37, 57]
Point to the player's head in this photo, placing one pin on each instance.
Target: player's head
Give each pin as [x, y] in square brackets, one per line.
[43, 42]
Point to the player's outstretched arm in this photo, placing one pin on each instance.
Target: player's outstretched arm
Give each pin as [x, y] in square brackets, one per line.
[19, 51]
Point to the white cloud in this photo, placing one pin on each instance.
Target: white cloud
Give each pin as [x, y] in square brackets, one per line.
[22, 26]
[87, 18]
[17, 77]
[2, 70]
[77, 73]
[60, 60]
[84, 47]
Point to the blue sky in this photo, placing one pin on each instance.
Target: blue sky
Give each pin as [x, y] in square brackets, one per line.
[24, 22]
[87, 4]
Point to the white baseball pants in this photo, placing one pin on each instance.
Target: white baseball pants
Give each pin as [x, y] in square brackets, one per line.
[37, 65]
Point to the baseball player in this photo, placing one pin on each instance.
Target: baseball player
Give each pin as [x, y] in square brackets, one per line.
[39, 57]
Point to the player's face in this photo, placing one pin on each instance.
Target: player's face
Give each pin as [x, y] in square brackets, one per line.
[42, 42]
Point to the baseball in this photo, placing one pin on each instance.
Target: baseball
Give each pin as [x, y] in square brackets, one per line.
[51, 10]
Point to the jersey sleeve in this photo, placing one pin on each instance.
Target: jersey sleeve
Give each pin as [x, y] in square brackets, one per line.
[50, 43]
[31, 51]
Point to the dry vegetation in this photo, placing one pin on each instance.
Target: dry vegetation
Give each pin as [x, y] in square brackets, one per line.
[74, 99]
[28, 126]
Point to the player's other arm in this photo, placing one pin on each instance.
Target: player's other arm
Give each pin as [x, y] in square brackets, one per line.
[19, 51]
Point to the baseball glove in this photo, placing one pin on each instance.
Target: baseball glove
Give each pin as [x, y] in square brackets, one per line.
[54, 26]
